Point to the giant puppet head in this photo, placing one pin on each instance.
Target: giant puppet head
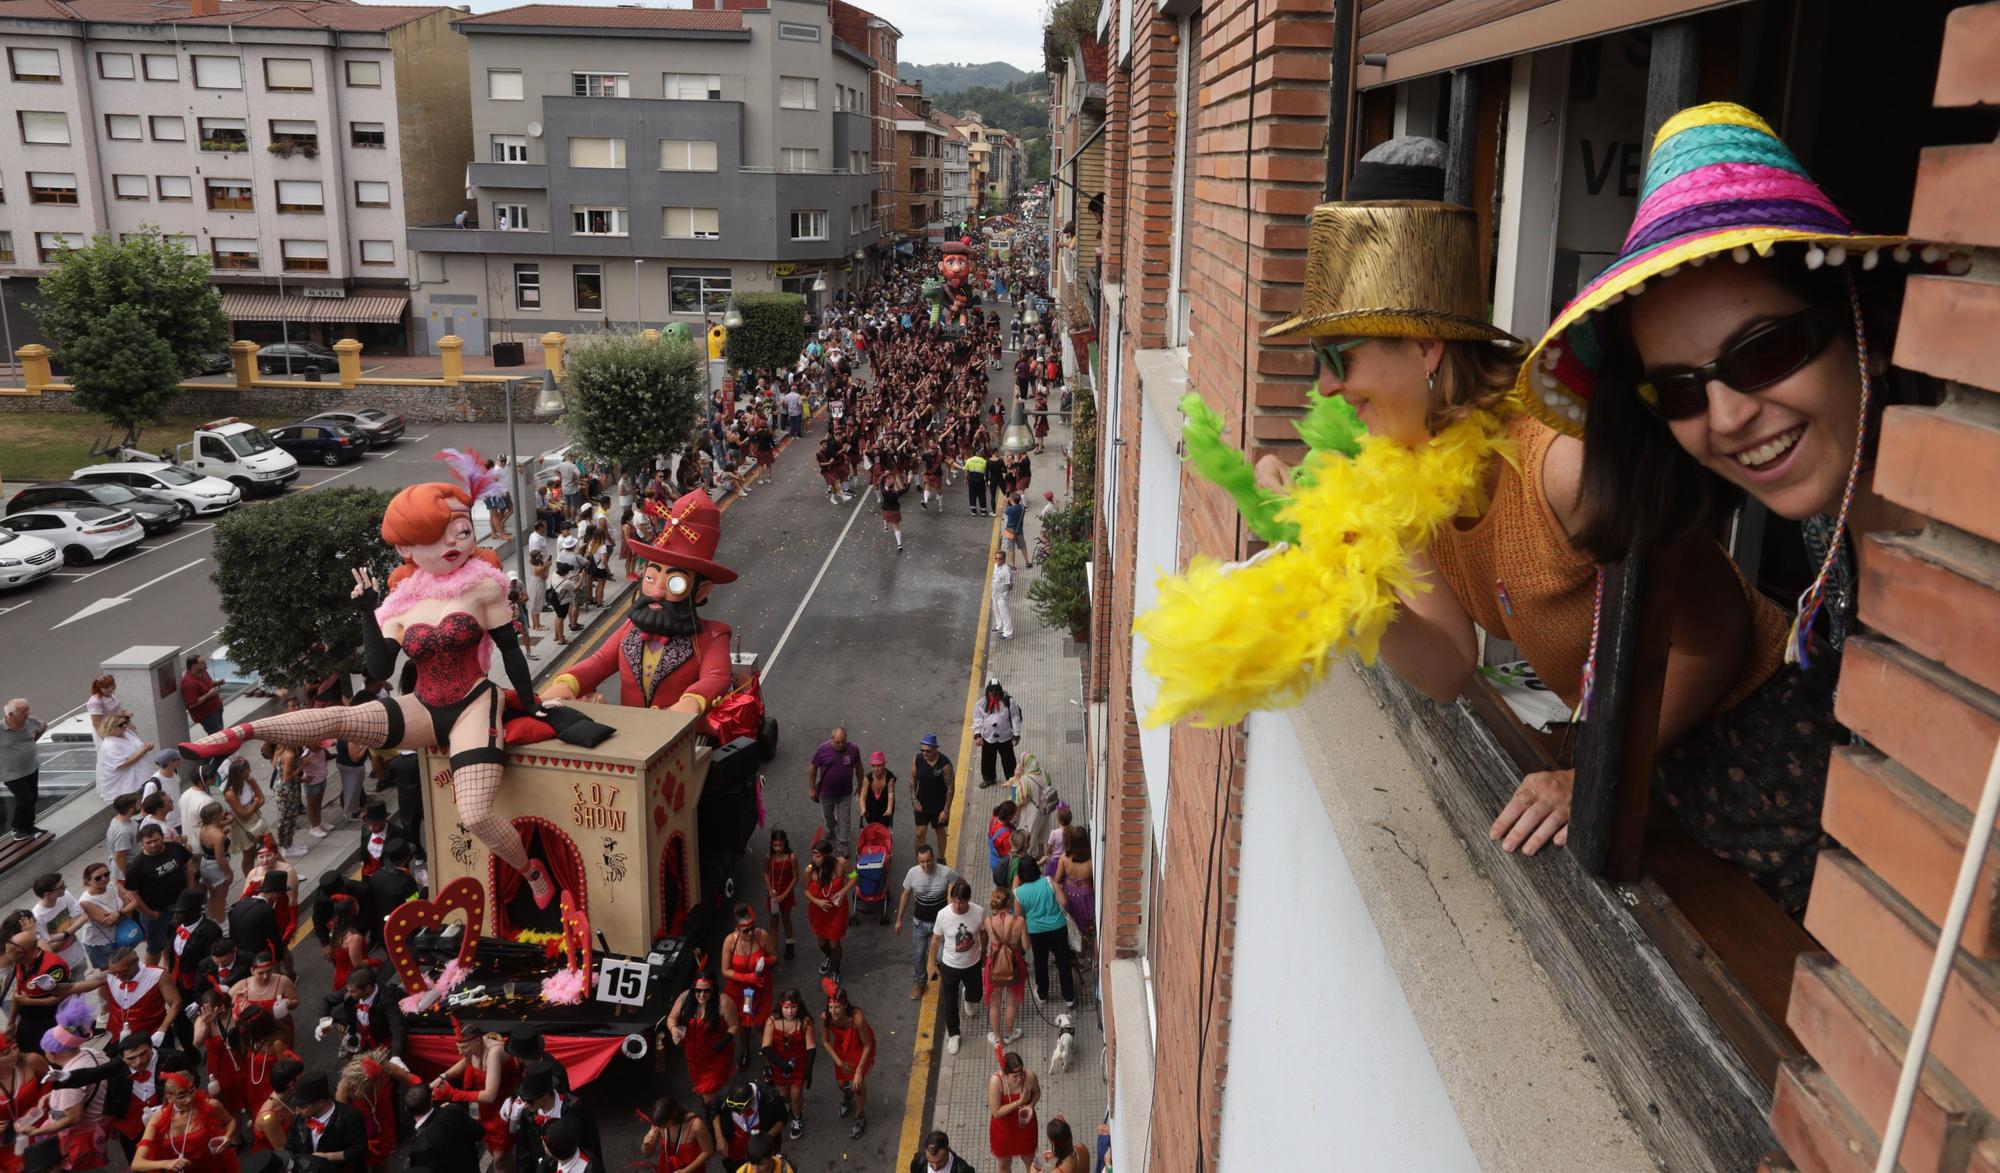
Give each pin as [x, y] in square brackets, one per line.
[955, 264]
[680, 566]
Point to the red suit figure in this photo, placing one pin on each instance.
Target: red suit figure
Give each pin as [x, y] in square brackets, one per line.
[137, 1005]
[666, 656]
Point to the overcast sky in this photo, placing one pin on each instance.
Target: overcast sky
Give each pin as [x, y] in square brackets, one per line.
[934, 31]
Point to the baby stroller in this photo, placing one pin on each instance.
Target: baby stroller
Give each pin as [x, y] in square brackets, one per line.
[871, 867]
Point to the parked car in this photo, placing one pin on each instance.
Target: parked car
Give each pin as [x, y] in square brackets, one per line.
[197, 495]
[327, 444]
[155, 513]
[296, 358]
[379, 426]
[231, 450]
[217, 363]
[83, 533]
[25, 558]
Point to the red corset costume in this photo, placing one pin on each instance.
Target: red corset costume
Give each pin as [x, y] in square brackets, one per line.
[447, 658]
[471, 1083]
[789, 1046]
[752, 972]
[172, 1136]
[711, 1060]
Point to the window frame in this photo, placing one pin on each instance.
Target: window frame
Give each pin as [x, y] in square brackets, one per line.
[21, 118]
[787, 160]
[712, 287]
[808, 92]
[583, 81]
[619, 217]
[273, 88]
[687, 151]
[505, 144]
[361, 252]
[206, 134]
[534, 273]
[347, 73]
[712, 92]
[694, 232]
[295, 208]
[615, 148]
[49, 255]
[6, 246]
[146, 66]
[388, 194]
[15, 53]
[216, 254]
[230, 203]
[381, 132]
[595, 272]
[521, 82]
[145, 188]
[195, 68]
[515, 223]
[286, 259]
[54, 191]
[160, 189]
[131, 65]
[137, 124]
[155, 121]
[824, 226]
[793, 31]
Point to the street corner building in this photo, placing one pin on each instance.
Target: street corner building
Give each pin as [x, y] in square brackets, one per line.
[637, 165]
[1314, 955]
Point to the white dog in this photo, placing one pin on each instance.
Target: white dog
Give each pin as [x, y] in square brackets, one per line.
[1063, 1057]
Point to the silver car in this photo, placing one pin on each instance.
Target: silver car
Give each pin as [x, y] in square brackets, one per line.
[195, 494]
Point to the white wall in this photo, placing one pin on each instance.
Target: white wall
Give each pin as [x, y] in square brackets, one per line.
[1321, 1035]
[1158, 553]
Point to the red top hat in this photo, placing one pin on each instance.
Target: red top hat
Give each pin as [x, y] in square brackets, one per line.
[691, 527]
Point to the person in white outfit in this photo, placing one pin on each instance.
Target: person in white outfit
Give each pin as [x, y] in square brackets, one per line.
[1003, 587]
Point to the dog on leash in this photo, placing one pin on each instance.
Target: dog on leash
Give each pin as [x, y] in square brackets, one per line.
[1063, 1057]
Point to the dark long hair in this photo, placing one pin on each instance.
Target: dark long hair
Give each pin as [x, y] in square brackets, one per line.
[1640, 488]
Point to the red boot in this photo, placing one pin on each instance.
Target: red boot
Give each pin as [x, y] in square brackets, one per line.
[233, 738]
[539, 885]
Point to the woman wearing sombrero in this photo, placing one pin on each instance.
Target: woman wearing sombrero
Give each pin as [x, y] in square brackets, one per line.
[1453, 487]
[1739, 342]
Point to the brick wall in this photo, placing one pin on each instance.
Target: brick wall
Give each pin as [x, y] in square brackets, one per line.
[1258, 113]
[1920, 689]
[481, 403]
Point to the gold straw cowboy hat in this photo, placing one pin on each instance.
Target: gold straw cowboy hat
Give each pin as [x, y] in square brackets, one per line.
[1393, 269]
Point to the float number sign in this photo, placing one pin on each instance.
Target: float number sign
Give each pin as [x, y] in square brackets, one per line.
[622, 980]
[596, 807]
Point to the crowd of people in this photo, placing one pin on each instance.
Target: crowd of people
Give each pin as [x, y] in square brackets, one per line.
[157, 1010]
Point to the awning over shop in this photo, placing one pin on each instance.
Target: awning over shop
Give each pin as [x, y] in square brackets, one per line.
[269, 307]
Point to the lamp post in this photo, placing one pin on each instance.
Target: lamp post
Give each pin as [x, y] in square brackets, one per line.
[732, 318]
[1016, 438]
[638, 295]
[7, 323]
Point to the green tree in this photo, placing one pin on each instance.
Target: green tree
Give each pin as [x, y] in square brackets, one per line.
[1035, 160]
[1069, 22]
[773, 331]
[282, 572]
[1008, 111]
[170, 298]
[122, 370]
[1060, 595]
[631, 400]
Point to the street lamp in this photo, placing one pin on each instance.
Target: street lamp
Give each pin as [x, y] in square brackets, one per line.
[732, 318]
[1031, 317]
[819, 282]
[7, 322]
[549, 400]
[1017, 439]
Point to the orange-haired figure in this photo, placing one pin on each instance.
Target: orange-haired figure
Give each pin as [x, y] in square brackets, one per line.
[447, 608]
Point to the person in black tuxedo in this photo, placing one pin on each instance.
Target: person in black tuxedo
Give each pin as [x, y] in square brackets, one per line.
[367, 1014]
[563, 1142]
[333, 886]
[388, 888]
[334, 1133]
[253, 923]
[443, 1138]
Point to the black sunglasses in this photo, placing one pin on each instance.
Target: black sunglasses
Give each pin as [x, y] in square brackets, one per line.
[1768, 354]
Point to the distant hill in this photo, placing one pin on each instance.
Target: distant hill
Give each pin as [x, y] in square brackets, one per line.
[954, 75]
[1024, 114]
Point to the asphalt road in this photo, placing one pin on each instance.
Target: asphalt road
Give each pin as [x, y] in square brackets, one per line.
[55, 632]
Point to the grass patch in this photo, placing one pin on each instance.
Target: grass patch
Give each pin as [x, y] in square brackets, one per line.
[49, 445]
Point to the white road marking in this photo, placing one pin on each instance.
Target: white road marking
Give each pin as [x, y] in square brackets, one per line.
[771, 662]
[107, 604]
[16, 606]
[413, 439]
[143, 550]
[336, 476]
[70, 574]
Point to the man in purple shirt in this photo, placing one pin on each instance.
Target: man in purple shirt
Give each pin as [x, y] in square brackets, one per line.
[830, 783]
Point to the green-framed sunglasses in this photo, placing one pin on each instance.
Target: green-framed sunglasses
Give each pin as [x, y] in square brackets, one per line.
[1332, 354]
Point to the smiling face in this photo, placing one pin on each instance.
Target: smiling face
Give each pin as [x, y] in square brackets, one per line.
[451, 549]
[1788, 444]
[1387, 383]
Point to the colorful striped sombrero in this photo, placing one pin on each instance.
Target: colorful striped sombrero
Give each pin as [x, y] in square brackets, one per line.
[1719, 181]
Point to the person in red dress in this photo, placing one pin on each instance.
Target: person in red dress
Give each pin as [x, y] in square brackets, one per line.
[271, 1127]
[781, 884]
[676, 1140]
[484, 1076]
[791, 1048]
[749, 958]
[703, 1027]
[350, 943]
[21, 1092]
[850, 1039]
[193, 1135]
[829, 885]
[1011, 1095]
[371, 1084]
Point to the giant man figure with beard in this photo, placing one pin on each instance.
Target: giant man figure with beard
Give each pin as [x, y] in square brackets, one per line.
[666, 656]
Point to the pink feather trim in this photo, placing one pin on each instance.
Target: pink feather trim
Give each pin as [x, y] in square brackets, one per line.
[469, 469]
[565, 987]
[423, 586]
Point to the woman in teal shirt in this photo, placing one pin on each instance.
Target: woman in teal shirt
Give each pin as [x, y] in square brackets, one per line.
[1041, 905]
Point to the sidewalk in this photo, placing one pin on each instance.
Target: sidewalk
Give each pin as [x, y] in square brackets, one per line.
[1042, 671]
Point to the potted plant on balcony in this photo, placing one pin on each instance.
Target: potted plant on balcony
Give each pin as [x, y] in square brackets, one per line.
[1061, 593]
[281, 147]
[309, 150]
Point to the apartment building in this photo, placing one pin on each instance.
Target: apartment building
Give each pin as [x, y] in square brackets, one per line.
[635, 166]
[920, 157]
[287, 143]
[1078, 165]
[878, 39]
[1627, 1002]
[956, 200]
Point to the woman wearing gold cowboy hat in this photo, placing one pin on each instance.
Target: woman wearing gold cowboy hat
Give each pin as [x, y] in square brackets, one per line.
[1394, 312]
[1738, 343]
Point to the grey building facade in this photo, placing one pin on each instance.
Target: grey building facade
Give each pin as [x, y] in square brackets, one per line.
[635, 166]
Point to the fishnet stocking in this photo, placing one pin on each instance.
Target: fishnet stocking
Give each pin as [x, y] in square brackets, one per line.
[366, 724]
[475, 785]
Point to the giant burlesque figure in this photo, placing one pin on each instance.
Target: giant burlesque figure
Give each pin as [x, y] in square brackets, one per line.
[447, 609]
[665, 654]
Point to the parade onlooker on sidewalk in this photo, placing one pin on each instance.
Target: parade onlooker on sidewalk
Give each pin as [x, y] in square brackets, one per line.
[103, 907]
[157, 876]
[996, 726]
[1003, 591]
[957, 946]
[121, 835]
[925, 893]
[201, 694]
[830, 783]
[1041, 904]
[1011, 1095]
[20, 769]
[58, 916]
[123, 758]
[1006, 965]
[102, 703]
[1014, 524]
[931, 786]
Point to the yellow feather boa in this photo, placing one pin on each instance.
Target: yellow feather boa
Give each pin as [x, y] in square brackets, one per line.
[1226, 639]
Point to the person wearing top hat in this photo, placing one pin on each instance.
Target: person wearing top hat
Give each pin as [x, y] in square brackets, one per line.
[375, 824]
[1740, 343]
[191, 942]
[1395, 313]
[253, 921]
[537, 1104]
[665, 655]
[368, 1014]
[392, 885]
[563, 1144]
[525, 1046]
[326, 1129]
[443, 1137]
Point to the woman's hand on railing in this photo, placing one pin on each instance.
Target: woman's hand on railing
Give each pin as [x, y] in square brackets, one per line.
[1537, 815]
